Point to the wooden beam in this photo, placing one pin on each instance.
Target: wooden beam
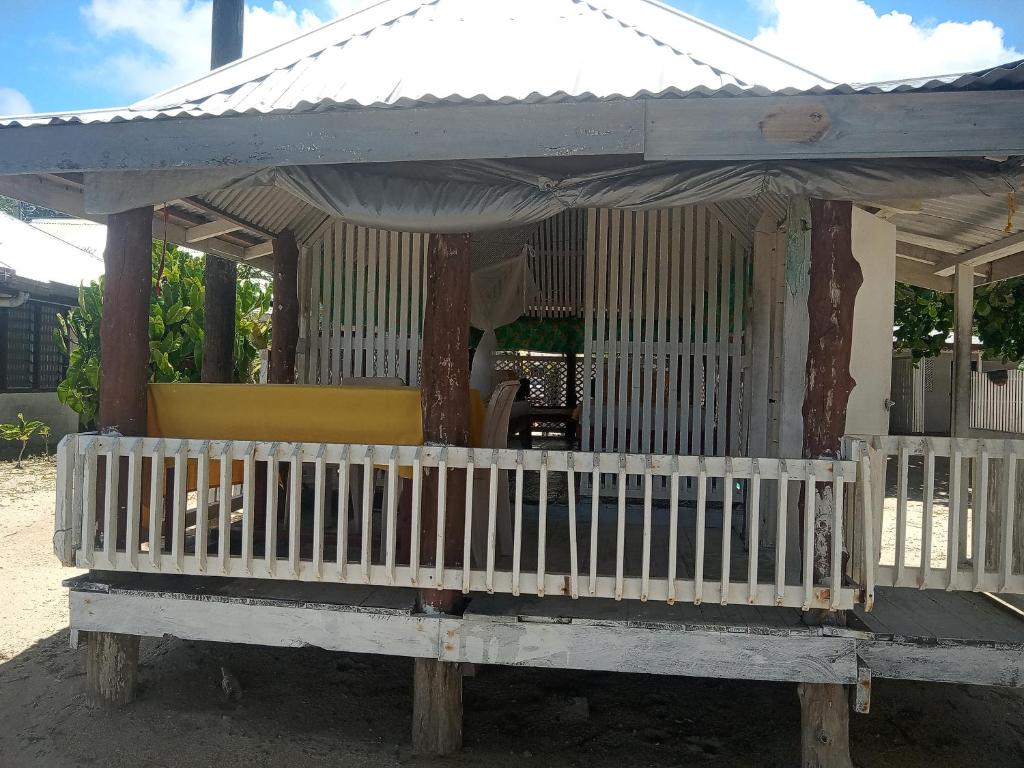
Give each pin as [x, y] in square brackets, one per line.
[446, 132]
[916, 273]
[220, 213]
[1006, 268]
[963, 329]
[1008, 246]
[259, 250]
[925, 241]
[212, 229]
[284, 328]
[835, 126]
[919, 253]
[220, 277]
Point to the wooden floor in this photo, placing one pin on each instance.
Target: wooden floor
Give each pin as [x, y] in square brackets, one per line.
[931, 615]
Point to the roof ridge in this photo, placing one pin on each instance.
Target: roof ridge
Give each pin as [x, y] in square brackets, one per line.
[405, 8]
[731, 36]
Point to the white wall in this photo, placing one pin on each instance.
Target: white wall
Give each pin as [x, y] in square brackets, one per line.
[36, 405]
[874, 247]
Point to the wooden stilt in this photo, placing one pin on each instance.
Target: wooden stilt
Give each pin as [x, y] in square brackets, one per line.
[112, 667]
[824, 726]
[284, 329]
[835, 279]
[437, 696]
[112, 661]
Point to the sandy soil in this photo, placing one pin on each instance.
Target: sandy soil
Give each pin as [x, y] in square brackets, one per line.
[307, 707]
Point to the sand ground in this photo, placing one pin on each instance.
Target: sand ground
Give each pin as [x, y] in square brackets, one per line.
[307, 707]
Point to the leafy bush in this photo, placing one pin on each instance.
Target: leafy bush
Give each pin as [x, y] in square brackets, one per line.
[175, 329]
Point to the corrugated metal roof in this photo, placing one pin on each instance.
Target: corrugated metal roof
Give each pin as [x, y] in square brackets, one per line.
[413, 52]
[961, 222]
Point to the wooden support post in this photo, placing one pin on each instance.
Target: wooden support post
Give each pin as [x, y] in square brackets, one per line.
[960, 413]
[284, 327]
[220, 275]
[835, 279]
[437, 698]
[113, 660]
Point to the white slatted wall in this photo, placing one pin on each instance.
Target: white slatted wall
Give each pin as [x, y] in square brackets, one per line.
[557, 265]
[361, 299]
[665, 325]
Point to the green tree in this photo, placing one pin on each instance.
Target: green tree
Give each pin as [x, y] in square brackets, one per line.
[175, 329]
[924, 320]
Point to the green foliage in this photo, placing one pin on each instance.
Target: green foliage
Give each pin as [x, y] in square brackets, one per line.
[924, 320]
[22, 431]
[175, 329]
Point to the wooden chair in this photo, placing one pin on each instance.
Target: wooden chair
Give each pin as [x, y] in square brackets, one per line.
[495, 435]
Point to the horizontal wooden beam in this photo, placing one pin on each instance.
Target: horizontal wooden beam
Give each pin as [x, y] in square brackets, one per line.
[921, 275]
[927, 241]
[214, 228]
[919, 253]
[343, 136]
[1006, 268]
[258, 250]
[963, 124]
[1008, 246]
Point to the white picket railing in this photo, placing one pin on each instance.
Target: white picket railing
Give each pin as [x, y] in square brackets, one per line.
[627, 550]
[948, 513]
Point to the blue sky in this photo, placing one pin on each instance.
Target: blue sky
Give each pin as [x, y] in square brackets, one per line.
[77, 54]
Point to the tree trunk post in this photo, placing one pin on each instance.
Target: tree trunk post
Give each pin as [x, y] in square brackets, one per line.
[284, 327]
[113, 660]
[437, 694]
[220, 277]
[835, 279]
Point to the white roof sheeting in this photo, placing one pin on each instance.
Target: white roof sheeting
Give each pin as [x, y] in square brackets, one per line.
[406, 52]
[37, 255]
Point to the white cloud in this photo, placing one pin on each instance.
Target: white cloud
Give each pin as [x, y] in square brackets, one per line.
[13, 102]
[847, 41]
[345, 7]
[166, 42]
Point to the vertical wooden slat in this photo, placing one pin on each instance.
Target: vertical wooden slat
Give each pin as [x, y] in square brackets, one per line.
[684, 344]
[517, 535]
[341, 545]
[645, 573]
[391, 345]
[442, 512]
[838, 497]
[110, 497]
[248, 507]
[753, 529]
[134, 505]
[348, 305]
[382, 328]
[595, 519]
[725, 282]
[202, 504]
[673, 529]
[157, 481]
[338, 300]
[273, 473]
[361, 321]
[955, 496]
[542, 522]
[901, 513]
[737, 409]
[1009, 512]
[810, 497]
[326, 327]
[467, 526]
[633, 384]
[661, 382]
[417, 503]
[781, 516]
[89, 506]
[391, 527]
[574, 572]
[319, 491]
[646, 367]
[699, 332]
[294, 510]
[675, 259]
[926, 514]
[404, 307]
[620, 529]
[416, 319]
[980, 515]
[224, 511]
[711, 339]
[727, 483]
[589, 329]
[366, 539]
[871, 554]
[180, 500]
[701, 525]
[618, 292]
[492, 519]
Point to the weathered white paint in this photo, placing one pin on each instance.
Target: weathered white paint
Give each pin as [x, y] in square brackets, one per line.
[874, 248]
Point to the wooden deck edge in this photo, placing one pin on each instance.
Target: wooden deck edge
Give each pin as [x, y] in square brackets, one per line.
[687, 649]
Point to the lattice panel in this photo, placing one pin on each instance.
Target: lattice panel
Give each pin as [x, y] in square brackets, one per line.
[548, 375]
[52, 364]
[20, 346]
